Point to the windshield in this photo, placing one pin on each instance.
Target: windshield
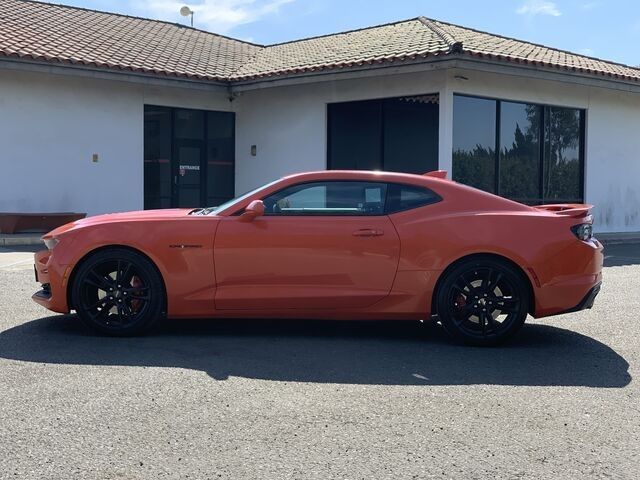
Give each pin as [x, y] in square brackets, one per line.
[225, 205]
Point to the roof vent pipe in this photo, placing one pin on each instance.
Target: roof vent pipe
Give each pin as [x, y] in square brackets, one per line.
[456, 48]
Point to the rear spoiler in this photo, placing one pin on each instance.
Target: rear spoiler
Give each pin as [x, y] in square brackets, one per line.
[436, 174]
[576, 210]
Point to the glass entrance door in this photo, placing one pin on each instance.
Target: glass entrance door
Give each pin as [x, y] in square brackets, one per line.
[188, 179]
[189, 157]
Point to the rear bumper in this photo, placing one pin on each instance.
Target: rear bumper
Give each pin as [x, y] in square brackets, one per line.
[576, 281]
[587, 301]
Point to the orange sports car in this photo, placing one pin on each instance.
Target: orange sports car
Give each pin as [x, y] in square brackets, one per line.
[330, 245]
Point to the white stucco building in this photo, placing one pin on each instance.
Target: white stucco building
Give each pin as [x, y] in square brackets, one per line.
[102, 112]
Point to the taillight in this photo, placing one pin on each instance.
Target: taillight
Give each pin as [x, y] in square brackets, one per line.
[583, 231]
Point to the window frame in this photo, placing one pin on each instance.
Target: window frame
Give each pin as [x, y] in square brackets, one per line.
[323, 214]
[204, 143]
[541, 143]
[387, 204]
[385, 212]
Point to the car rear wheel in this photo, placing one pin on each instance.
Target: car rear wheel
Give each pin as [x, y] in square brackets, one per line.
[118, 292]
[483, 301]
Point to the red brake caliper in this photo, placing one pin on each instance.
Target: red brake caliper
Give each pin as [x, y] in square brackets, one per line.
[461, 302]
[135, 283]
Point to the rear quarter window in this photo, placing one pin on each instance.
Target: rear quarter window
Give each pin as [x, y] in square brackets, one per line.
[407, 197]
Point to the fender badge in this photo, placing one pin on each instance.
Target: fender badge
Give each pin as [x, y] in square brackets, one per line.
[185, 246]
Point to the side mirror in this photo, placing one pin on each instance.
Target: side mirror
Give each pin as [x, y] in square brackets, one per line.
[254, 209]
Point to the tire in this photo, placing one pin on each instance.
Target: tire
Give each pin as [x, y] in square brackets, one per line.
[483, 301]
[118, 292]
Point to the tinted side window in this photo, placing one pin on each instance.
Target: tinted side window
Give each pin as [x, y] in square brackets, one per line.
[328, 198]
[405, 197]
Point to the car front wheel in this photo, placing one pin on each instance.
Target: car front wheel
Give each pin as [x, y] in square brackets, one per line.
[483, 301]
[118, 292]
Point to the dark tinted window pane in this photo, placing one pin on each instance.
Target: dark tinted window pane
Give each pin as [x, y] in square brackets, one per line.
[520, 152]
[411, 134]
[157, 156]
[474, 139]
[220, 156]
[394, 134]
[189, 198]
[563, 177]
[189, 124]
[220, 181]
[328, 198]
[216, 201]
[354, 135]
[406, 197]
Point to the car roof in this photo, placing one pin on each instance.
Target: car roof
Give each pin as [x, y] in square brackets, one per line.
[366, 175]
[459, 195]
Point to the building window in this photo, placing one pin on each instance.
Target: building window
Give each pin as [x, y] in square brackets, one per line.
[189, 157]
[393, 134]
[530, 153]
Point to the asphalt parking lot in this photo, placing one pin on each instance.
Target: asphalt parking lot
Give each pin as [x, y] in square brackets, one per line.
[276, 399]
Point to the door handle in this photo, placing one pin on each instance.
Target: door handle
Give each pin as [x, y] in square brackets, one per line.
[368, 232]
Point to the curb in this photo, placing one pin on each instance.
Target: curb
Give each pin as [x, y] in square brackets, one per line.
[618, 238]
[20, 240]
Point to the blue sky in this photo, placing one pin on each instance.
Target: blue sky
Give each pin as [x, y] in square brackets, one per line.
[605, 29]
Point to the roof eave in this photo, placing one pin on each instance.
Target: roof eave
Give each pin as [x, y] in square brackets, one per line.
[115, 74]
[390, 66]
[542, 71]
[443, 60]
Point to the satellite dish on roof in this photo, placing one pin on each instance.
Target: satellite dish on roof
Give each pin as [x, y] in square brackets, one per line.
[185, 12]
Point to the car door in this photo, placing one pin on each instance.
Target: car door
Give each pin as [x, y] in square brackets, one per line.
[319, 245]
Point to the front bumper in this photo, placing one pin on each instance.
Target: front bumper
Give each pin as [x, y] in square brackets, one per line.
[53, 277]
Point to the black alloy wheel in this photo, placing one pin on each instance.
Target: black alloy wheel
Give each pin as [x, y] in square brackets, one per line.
[483, 301]
[118, 292]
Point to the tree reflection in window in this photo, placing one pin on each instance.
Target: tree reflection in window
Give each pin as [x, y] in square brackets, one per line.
[538, 149]
[474, 139]
[520, 152]
[563, 170]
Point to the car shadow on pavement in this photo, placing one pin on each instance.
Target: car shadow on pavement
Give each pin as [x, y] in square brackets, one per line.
[387, 353]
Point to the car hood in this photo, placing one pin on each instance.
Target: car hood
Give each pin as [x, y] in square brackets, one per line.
[166, 214]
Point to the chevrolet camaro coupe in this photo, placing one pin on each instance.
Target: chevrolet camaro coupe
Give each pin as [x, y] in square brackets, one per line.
[330, 245]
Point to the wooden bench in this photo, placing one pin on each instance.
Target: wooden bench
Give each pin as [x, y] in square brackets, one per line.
[35, 222]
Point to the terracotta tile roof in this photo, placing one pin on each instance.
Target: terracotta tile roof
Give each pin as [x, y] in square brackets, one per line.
[69, 35]
[55, 33]
[483, 44]
[414, 39]
[397, 41]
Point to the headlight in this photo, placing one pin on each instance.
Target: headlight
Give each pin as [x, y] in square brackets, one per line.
[50, 242]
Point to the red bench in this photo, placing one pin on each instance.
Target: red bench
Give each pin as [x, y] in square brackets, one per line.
[35, 222]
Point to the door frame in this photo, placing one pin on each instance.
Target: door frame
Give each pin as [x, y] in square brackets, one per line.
[203, 144]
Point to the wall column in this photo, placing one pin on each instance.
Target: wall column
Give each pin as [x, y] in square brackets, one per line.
[445, 140]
